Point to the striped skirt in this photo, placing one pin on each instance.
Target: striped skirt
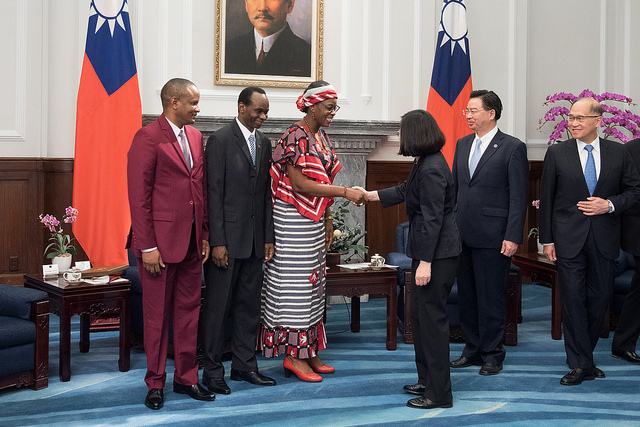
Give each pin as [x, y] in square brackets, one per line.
[293, 291]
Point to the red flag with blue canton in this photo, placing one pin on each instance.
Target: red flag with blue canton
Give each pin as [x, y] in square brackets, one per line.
[108, 115]
[451, 77]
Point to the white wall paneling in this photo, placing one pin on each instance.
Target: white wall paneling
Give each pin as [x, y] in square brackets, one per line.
[378, 53]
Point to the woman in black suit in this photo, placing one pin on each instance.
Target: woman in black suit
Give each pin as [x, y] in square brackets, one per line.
[434, 246]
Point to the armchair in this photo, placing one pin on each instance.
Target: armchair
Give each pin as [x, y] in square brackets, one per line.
[24, 337]
[624, 269]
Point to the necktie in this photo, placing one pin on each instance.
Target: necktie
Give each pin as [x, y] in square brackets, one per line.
[475, 157]
[252, 148]
[590, 170]
[185, 148]
[261, 55]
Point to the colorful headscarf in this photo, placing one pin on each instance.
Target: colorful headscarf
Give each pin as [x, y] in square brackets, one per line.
[315, 95]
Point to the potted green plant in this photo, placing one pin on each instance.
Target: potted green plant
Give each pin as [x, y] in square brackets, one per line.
[60, 249]
[346, 238]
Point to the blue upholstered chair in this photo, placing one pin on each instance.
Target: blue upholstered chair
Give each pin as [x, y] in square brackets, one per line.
[24, 337]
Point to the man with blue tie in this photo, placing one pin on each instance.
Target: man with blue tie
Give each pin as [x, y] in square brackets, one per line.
[587, 184]
[241, 236]
[490, 172]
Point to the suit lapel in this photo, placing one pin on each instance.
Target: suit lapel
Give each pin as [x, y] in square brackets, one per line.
[573, 161]
[241, 142]
[494, 146]
[465, 152]
[167, 131]
[605, 163]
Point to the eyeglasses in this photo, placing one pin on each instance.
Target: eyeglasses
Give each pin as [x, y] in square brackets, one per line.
[331, 108]
[580, 119]
[472, 112]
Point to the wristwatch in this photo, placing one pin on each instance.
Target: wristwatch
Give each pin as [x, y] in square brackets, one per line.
[610, 206]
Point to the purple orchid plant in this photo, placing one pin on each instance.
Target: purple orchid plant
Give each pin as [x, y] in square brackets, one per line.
[617, 123]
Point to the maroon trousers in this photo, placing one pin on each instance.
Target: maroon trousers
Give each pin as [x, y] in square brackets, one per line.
[172, 297]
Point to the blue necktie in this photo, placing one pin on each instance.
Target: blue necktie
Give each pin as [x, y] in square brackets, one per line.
[252, 148]
[475, 157]
[590, 170]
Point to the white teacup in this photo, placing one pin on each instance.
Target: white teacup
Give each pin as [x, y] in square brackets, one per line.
[377, 261]
[72, 275]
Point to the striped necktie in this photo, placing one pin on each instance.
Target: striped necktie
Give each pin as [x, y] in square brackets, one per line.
[252, 148]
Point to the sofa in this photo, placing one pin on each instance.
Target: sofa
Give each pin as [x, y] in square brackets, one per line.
[24, 337]
[399, 258]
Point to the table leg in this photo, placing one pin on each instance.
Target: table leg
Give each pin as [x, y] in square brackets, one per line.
[64, 358]
[85, 325]
[392, 320]
[125, 338]
[355, 314]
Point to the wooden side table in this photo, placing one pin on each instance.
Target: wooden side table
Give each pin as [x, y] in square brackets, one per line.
[355, 283]
[539, 268]
[85, 299]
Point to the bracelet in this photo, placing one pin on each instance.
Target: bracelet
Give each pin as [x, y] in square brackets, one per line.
[328, 218]
[345, 192]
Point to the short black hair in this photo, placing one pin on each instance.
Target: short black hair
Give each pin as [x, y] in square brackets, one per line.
[247, 93]
[317, 83]
[490, 101]
[420, 134]
[176, 87]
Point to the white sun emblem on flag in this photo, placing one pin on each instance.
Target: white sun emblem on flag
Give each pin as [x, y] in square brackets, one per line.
[454, 24]
[109, 11]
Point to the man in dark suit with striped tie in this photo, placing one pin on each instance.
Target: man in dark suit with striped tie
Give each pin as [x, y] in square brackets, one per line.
[241, 238]
[587, 184]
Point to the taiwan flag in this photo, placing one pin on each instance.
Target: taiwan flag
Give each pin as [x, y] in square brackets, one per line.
[108, 115]
[451, 77]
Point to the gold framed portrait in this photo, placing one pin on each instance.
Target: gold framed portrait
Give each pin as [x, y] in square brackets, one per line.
[268, 43]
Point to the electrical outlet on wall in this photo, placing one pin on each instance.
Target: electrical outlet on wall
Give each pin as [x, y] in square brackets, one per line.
[13, 263]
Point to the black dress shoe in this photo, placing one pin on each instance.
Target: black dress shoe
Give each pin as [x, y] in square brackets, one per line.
[216, 385]
[576, 376]
[463, 362]
[417, 389]
[597, 372]
[489, 368]
[154, 399]
[195, 391]
[629, 356]
[254, 377]
[424, 403]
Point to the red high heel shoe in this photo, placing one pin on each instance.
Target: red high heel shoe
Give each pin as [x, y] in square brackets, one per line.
[289, 369]
[324, 369]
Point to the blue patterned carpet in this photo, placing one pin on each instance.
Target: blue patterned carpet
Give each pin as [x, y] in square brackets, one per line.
[365, 390]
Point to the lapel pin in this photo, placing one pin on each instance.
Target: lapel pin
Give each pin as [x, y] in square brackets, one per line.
[495, 145]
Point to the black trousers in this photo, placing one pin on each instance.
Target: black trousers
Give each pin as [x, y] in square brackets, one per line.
[232, 292]
[482, 295]
[431, 328]
[586, 285]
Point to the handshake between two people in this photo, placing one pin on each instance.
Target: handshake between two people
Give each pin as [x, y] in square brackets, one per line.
[358, 195]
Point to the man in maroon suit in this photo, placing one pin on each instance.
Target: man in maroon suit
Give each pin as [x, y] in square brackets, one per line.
[169, 235]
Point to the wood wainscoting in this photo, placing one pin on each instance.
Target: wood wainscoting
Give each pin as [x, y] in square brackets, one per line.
[30, 187]
[381, 222]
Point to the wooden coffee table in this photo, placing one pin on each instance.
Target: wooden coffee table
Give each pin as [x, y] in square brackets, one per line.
[355, 283]
[85, 299]
[539, 268]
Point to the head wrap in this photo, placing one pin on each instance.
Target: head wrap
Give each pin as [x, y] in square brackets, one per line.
[315, 95]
